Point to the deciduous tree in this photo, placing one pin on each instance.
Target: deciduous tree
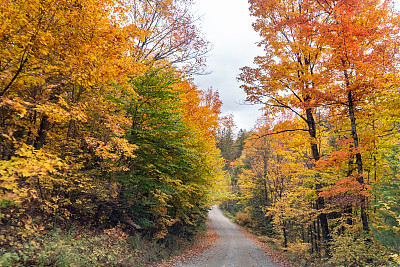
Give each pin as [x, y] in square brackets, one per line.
[288, 76]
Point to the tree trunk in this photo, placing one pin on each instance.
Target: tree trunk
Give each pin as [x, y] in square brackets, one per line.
[320, 202]
[311, 238]
[265, 159]
[360, 178]
[315, 233]
[42, 133]
[284, 235]
[45, 123]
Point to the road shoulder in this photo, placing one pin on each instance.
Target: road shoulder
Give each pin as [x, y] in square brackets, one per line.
[278, 257]
[204, 241]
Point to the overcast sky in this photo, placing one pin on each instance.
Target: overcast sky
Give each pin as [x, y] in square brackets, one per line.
[227, 25]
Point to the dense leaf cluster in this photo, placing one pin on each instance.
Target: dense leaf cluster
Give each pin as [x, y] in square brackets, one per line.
[320, 159]
[100, 124]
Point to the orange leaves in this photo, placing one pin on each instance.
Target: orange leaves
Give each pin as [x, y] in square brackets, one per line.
[287, 77]
[78, 43]
[334, 64]
[347, 192]
[202, 112]
[327, 58]
[202, 109]
[339, 159]
[355, 34]
[65, 90]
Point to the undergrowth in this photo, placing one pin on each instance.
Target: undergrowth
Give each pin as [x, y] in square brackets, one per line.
[112, 247]
[347, 249]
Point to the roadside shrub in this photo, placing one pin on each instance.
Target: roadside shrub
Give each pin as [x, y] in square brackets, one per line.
[81, 249]
[300, 251]
[351, 249]
[244, 218]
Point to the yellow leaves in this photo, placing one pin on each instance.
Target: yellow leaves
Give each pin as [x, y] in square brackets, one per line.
[63, 88]
[22, 229]
[80, 43]
[115, 149]
[36, 162]
[18, 105]
[57, 112]
[123, 146]
[162, 225]
[27, 165]
[10, 190]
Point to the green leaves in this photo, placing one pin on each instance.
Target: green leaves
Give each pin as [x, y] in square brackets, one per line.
[386, 220]
[168, 181]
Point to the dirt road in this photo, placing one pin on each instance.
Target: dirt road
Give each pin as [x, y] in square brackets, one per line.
[233, 248]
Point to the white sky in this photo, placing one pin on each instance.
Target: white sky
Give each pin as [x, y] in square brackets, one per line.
[227, 25]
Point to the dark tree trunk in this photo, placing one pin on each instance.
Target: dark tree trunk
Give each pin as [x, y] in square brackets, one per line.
[315, 234]
[320, 202]
[265, 159]
[45, 123]
[360, 178]
[310, 234]
[42, 133]
[284, 235]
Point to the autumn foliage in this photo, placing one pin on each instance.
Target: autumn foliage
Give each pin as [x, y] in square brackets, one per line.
[317, 165]
[99, 123]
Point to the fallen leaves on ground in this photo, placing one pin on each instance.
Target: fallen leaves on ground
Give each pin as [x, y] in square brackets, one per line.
[275, 255]
[205, 241]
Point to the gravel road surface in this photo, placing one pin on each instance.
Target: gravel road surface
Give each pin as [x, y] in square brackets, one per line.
[233, 248]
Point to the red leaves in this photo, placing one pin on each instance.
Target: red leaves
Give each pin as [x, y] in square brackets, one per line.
[347, 191]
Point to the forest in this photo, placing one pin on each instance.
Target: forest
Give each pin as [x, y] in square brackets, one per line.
[106, 144]
[111, 156]
[318, 175]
